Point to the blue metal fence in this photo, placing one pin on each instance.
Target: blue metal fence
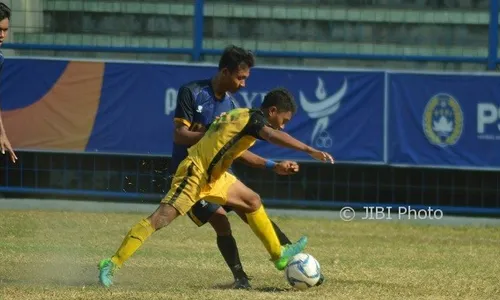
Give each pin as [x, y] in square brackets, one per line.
[142, 179]
[493, 36]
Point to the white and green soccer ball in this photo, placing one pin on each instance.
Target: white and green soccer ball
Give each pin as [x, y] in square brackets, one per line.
[303, 271]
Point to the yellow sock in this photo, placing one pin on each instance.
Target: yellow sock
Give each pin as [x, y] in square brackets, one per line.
[134, 239]
[264, 230]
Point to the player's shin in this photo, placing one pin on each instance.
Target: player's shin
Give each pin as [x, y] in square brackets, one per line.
[263, 229]
[134, 239]
[229, 250]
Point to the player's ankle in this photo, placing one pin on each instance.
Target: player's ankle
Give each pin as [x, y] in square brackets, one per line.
[117, 262]
[239, 274]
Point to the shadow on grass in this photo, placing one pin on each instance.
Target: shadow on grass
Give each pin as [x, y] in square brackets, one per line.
[267, 289]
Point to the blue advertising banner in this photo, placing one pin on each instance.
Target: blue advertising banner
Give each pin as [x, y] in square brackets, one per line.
[339, 112]
[128, 108]
[444, 120]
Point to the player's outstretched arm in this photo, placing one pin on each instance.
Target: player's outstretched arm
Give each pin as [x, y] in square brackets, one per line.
[252, 160]
[4, 142]
[283, 139]
[282, 168]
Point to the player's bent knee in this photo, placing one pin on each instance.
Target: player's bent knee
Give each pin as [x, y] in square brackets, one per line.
[163, 216]
[253, 202]
[220, 222]
[242, 198]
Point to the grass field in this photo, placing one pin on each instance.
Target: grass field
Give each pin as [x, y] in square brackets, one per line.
[53, 255]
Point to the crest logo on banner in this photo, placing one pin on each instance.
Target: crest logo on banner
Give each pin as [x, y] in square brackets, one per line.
[443, 120]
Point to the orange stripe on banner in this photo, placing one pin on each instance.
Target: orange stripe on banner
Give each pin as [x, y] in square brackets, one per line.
[62, 119]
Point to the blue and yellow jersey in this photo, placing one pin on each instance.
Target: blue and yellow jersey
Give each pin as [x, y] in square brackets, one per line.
[197, 108]
[226, 139]
[1, 61]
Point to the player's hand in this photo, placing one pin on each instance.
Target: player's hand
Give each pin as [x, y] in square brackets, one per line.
[286, 167]
[6, 146]
[199, 128]
[322, 156]
[220, 116]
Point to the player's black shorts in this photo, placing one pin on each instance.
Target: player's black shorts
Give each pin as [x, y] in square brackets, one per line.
[202, 211]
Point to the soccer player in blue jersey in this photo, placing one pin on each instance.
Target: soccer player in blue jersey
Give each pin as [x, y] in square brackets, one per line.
[4, 30]
[199, 103]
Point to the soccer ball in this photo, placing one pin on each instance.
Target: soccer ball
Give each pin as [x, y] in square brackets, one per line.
[303, 271]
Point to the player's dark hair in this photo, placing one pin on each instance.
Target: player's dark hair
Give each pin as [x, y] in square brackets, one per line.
[234, 56]
[4, 11]
[282, 99]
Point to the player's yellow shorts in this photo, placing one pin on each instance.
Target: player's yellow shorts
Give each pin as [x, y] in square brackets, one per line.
[189, 185]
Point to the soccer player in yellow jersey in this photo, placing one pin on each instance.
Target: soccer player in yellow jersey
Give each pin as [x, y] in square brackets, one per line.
[202, 174]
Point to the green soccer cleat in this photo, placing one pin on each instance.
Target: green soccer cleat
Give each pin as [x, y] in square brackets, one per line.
[106, 272]
[289, 251]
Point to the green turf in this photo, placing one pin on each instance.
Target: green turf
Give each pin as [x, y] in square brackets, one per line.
[54, 255]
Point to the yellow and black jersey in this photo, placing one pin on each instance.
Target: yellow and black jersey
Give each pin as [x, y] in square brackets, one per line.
[226, 139]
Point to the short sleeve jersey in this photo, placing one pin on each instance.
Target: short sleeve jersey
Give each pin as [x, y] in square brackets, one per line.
[197, 107]
[226, 139]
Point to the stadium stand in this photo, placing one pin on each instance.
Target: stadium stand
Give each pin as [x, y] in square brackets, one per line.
[347, 27]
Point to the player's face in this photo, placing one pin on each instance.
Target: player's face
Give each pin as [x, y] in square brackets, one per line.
[4, 30]
[237, 79]
[278, 119]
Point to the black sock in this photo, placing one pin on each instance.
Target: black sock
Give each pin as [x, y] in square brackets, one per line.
[281, 236]
[229, 250]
